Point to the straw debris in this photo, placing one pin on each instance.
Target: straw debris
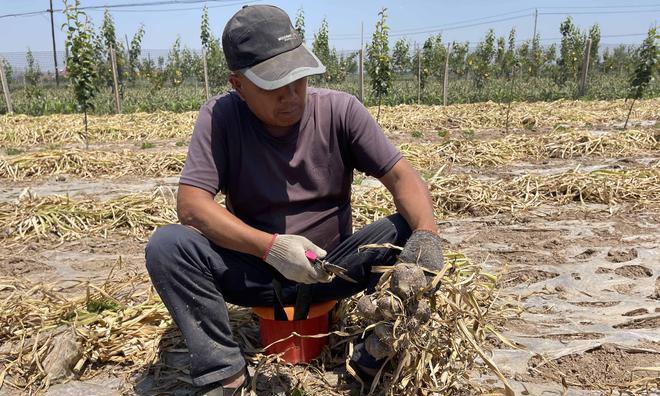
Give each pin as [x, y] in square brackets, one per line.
[22, 130]
[471, 196]
[522, 115]
[99, 164]
[91, 164]
[430, 332]
[48, 334]
[565, 145]
[56, 217]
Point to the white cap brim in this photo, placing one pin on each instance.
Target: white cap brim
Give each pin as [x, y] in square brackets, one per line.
[284, 68]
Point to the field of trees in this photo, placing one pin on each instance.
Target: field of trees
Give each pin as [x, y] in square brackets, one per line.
[499, 69]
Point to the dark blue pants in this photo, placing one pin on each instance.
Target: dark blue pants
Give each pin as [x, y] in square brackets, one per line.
[196, 278]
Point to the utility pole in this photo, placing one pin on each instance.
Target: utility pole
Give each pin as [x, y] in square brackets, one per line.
[52, 33]
[362, 62]
[536, 17]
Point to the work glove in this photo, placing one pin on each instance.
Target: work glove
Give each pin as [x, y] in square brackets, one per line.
[423, 248]
[287, 256]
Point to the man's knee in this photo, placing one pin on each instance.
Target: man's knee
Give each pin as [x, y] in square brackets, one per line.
[164, 244]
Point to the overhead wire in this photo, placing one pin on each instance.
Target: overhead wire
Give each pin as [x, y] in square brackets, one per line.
[608, 6]
[155, 3]
[134, 4]
[456, 25]
[232, 2]
[243, 2]
[398, 33]
[599, 12]
[463, 24]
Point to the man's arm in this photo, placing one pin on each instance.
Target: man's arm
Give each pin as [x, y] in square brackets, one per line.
[286, 253]
[197, 208]
[413, 201]
[411, 196]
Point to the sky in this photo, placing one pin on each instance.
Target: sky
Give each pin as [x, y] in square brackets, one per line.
[621, 21]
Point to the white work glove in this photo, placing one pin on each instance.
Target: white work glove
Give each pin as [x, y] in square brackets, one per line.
[287, 255]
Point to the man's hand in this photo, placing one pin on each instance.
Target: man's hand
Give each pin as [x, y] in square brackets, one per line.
[423, 248]
[287, 255]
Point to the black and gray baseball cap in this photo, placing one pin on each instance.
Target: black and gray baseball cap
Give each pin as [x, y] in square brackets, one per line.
[260, 42]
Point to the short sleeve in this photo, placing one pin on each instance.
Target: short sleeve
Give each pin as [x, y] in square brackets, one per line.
[200, 169]
[371, 151]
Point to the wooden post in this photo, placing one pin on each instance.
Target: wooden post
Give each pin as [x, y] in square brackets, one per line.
[5, 87]
[206, 73]
[362, 62]
[510, 96]
[52, 35]
[419, 76]
[115, 79]
[582, 90]
[361, 71]
[128, 46]
[445, 84]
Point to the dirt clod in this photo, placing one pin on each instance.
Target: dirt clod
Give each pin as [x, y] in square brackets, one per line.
[77, 388]
[656, 294]
[624, 288]
[586, 254]
[636, 312]
[652, 322]
[599, 304]
[63, 357]
[634, 271]
[621, 255]
[606, 364]
[574, 336]
[526, 277]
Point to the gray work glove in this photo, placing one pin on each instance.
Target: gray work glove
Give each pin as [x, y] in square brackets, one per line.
[423, 248]
[287, 256]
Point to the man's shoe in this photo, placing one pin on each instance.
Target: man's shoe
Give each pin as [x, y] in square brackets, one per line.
[364, 364]
[216, 389]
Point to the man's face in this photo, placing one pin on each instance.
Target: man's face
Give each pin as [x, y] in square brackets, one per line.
[279, 108]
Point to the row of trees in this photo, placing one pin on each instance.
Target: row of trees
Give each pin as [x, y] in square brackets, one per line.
[497, 57]
[492, 58]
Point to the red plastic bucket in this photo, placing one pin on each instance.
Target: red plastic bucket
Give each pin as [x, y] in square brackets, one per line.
[295, 349]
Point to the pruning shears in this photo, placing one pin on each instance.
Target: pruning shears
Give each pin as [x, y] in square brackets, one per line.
[331, 269]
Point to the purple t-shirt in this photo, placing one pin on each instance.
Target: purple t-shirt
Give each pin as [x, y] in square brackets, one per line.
[297, 184]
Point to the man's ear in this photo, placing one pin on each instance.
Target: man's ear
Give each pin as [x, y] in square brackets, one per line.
[237, 84]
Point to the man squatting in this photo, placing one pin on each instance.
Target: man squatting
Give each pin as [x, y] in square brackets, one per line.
[283, 156]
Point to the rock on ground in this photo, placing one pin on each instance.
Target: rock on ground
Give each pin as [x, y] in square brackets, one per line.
[77, 388]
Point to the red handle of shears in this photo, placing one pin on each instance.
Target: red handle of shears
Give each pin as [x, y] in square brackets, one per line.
[311, 256]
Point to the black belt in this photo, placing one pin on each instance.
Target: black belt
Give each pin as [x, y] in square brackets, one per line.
[303, 301]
